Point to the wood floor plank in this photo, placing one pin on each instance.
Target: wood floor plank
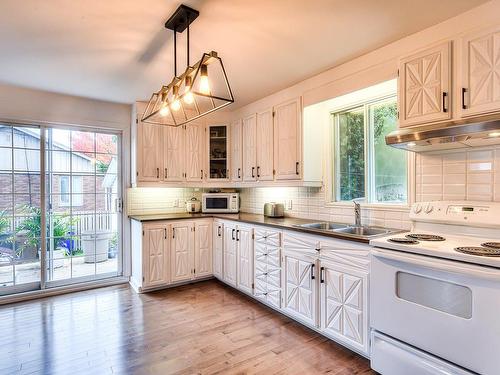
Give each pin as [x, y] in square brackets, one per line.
[203, 328]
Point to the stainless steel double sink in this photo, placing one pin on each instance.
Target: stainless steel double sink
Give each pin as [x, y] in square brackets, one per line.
[346, 229]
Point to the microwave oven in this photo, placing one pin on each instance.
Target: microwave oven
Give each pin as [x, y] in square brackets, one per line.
[220, 202]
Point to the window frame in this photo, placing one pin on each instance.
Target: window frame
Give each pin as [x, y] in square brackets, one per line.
[369, 157]
[75, 198]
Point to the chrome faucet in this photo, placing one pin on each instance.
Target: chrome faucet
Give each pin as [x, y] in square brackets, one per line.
[357, 213]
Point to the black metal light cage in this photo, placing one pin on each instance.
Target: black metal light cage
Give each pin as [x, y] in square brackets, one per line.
[202, 104]
[170, 105]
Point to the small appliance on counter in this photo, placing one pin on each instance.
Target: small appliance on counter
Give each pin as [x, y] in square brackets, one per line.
[193, 205]
[228, 203]
[273, 209]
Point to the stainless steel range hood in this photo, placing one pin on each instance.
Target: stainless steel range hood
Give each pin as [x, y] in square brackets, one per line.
[482, 131]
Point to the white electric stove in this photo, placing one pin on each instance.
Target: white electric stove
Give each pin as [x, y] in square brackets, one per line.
[435, 292]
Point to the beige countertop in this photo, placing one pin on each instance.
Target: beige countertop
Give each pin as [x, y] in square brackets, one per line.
[280, 223]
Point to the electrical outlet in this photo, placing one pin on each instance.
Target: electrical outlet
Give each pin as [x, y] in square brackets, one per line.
[289, 204]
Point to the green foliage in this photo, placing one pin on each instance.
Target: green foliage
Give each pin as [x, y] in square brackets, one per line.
[4, 222]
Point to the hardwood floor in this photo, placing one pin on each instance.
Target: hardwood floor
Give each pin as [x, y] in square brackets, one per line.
[203, 328]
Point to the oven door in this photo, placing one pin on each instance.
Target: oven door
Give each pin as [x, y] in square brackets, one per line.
[446, 308]
[216, 203]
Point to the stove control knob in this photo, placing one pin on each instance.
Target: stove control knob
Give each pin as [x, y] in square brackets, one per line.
[417, 208]
[428, 209]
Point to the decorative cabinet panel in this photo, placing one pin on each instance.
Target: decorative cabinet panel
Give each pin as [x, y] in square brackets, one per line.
[425, 86]
[264, 169]
[149, 154]
[194, 152]
[481, 72]
[218, 155]
[307, 244]
[245, 258]
[250, 148]
[182, 247]
[230, 254]
[236, 154]
[218, 248]
[267, 260]
[287, 140]
[203, 249]
[156, 256]
[300, 288]
[344, 305]
[174, 155]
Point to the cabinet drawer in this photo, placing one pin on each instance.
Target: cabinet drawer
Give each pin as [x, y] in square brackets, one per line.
[267, 237]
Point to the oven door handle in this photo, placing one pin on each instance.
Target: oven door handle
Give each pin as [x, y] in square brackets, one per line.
[437, 264]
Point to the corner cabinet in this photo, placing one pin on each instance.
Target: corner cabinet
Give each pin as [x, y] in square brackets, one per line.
[425, 86]
[218, 152]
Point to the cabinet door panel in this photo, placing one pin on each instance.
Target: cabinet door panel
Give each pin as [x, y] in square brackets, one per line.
[203, 249]
[424, 91]
[250, 148]
[156, 256]
[218, 249]
[273, 297]
[236, 155]
[194, 152]
[481, 72]
[300, 290]
[265, 146]
[230, 258]
[287, 141]
[245, 259]
[344, 305]
[182, 251]
[174, 153]
[149, 152]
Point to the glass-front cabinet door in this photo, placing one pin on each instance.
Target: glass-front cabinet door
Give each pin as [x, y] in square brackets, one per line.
[218, 149]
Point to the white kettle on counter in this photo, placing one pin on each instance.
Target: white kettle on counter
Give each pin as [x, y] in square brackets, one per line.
[193, 205]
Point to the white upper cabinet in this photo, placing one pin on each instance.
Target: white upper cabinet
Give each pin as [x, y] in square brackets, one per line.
[149, 155]
[264, 170]
[203, 248]
[425, 86]
[174, 155]
[236, 154]
[287, 140]
[194, 152]
[480, 88]
[250, 148]
[218, 155]
[156, 255]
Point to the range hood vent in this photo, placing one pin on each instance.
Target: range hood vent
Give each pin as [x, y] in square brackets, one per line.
[483, 131]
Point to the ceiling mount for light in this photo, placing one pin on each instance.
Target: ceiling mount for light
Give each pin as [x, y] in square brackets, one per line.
[202, 89]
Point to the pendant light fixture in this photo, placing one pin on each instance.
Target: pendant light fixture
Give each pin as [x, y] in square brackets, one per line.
[202, 89]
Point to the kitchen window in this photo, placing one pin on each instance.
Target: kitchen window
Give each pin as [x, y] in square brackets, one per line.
[364, 167]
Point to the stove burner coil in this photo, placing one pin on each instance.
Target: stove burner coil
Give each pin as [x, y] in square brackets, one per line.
[491, 245]
[403, 240]
[425, 237]
[481, 251]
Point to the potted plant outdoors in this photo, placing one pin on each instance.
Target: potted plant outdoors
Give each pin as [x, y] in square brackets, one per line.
[5, 238]
[31, 229]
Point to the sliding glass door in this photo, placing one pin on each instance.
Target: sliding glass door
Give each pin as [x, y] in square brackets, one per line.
[78, 205]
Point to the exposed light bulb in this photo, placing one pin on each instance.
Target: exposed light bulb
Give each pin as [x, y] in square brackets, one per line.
[176, 104]
[164, 110]
[494, 134]
[204, 84]
[411, 144]
[188, 97]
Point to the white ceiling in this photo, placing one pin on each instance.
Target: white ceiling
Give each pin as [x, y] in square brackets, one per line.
[118, 50]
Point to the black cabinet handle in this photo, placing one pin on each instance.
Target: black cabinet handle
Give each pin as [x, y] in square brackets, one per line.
[464, 90]
[232, 234]
[237, 235]
[166, 172]
[173, 232]
[253, 168]
[218, 231]
[239, 175]
[157, 172]
[258, 171]
[445, 94]
[297, 168]
[312, 272]
[321, 275]
[165, 233]
[201, 176]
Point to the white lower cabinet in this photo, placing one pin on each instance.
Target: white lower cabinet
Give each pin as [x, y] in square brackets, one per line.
[203, 260]
[218, 248]
[343, 304]
[267, 259]
[156, 260]
[182, 251]
[229, 259]
[244, 255]
[300, 287]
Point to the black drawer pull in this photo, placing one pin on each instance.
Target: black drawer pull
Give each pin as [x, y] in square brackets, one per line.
[253, 169]
[297, 168]
[445, 94]
[312, 272]
[239, 175]
[464, 90]
[232, 234]
[321, 275]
